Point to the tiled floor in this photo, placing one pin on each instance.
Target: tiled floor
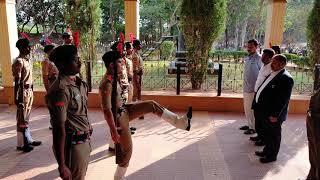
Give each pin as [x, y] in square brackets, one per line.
[213, 150]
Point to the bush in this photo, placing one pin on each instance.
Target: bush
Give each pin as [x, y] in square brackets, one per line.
[298, 60]
[166, 49]
[227, 53]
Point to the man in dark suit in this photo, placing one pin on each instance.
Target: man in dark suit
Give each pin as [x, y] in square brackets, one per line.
[271, 105]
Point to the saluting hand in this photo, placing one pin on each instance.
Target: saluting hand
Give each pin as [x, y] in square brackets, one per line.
[65, 173]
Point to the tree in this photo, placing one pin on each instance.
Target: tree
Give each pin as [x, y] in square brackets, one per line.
[84, 17]
[296, 21]
[201, 21]
[47, 14]
[112, 19]
[313, 34]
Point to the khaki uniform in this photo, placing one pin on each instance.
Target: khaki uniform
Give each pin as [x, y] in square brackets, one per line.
[50, 71]
[313, 133]
[129, 67]
[22, 69]
[137, 75]
[130, 111]
[67, 103]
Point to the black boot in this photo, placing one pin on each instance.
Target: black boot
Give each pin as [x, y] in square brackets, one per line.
[189, 116]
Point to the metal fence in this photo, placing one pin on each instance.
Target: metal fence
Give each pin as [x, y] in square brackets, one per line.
[157, 78]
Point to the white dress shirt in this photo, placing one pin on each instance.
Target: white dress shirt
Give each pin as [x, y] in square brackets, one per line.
[263, 73]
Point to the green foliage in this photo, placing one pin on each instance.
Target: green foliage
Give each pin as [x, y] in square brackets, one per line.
[296, 20]
[298, 60]
[84, 16]
[44, 13]
[313, 33]
[112, 19]
[201, 21]
[156, 18]
[166, 49]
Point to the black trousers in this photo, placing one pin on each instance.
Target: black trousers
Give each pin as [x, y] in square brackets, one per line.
[259, 125]
[272, 138]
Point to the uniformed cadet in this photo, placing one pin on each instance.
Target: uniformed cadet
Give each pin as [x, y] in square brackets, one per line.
[126, 81]
[49, 70]
[23, 94]
[67, 103]
[129, 67]
[137, 70]
[313, 133]
[113, 99]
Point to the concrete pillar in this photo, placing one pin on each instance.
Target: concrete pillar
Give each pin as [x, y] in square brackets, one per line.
[8, 39]
[131, 8]
[276, 12]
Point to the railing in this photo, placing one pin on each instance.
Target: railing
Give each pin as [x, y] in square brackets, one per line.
[156, 76]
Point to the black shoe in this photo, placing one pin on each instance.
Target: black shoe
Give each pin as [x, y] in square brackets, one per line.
[256, 138]
[133, 128]
[259, 143]
[50, 127]
[25, 148]
[267, 160]
[189, 116]
[132, 132]
[249, 131]
[35, 143]
[141, 117]
[244, 128]
[260, 153]
[110, 149]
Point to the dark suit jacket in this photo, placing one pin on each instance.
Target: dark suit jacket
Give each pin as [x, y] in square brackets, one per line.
[274, 98]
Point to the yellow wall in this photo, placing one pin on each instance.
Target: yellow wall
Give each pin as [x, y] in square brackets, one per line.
[8, 38]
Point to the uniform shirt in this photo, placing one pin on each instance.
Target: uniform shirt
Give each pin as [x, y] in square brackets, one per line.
[22, 68]
[252, 65]
[263, 73]
[49, 69]
[67, 103]
[137, 62]
[105, 91]
[129, 67]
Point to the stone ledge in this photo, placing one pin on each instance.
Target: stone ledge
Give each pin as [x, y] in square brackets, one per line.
[200, 101]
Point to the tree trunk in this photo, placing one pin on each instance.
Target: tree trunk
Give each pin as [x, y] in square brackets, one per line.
[113, 31]
[37, 28]
[226, 38]
[236, 39]
[244, 32]
[160, 27]
[257, 19]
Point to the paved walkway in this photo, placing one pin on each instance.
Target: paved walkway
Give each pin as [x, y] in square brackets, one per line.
[214, 150]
